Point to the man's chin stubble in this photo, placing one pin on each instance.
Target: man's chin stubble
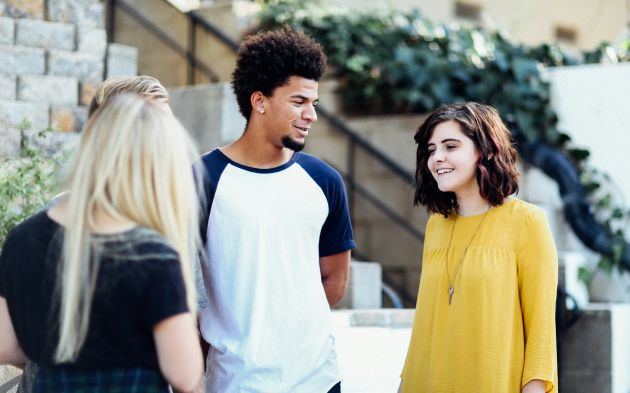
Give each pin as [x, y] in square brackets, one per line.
[290, 143]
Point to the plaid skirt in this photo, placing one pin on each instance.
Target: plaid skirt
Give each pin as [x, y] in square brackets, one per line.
[116, 380]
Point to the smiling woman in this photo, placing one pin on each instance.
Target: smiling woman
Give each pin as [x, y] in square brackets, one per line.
[486, 305]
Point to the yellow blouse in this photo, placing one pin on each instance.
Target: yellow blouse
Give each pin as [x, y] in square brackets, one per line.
[499, 332]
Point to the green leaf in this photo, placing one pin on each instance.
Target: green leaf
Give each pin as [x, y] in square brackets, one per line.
[585, 276]
[579, 154]
[618, 213]
[605, 201]
[619, 248]
[590, 187]
[606, 264]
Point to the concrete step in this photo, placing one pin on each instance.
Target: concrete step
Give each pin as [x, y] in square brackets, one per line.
[371, 348]
[364, 289]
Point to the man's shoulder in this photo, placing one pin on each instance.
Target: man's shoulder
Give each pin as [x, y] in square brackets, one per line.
[212, 158]
[211, 165]
[318, 169]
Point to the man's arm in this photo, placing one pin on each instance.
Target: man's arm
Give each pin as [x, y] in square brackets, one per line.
[335, 270]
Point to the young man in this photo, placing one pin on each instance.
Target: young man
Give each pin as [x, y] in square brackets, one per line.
[277, 232]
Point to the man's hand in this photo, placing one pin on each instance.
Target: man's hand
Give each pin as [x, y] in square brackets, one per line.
[335, 270]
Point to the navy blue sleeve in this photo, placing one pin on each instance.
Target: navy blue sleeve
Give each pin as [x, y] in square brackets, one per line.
[336, 234]
[211, 166]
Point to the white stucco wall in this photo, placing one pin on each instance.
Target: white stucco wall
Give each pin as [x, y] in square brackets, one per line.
[593, 105]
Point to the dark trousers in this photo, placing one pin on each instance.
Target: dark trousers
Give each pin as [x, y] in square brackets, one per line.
[336, 388]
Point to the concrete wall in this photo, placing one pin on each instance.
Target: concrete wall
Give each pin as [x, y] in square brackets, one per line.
[592, 105]
[209, 113]
[597, 351]
[532, 21]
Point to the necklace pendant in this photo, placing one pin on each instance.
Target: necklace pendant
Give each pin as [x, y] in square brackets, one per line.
[450, 294]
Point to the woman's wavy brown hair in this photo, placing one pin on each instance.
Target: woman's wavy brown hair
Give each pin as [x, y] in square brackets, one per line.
[496, 167]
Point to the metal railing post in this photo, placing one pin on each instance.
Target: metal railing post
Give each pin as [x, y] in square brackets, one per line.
[192, 43]
[111, 22]
[351, 175]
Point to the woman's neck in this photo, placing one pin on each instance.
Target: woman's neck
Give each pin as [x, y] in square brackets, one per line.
[471, 205]
[104, 223]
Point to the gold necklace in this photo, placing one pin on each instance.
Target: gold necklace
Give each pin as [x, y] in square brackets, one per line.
[450, 286]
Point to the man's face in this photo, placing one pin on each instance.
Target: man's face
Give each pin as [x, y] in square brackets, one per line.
[290, 112]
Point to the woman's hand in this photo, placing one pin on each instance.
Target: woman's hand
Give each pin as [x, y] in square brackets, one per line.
[535, 386]
[179, 353]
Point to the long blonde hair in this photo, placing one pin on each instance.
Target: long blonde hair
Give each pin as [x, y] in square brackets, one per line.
[133, 162]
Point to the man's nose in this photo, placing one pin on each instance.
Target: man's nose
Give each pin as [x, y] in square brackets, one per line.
[310, 114]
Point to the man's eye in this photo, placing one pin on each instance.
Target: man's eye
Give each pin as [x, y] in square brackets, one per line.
[298, 102]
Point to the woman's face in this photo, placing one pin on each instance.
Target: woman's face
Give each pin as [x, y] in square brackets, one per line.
[453, 160]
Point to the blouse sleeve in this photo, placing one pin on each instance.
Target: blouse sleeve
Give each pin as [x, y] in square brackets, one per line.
[537, 261]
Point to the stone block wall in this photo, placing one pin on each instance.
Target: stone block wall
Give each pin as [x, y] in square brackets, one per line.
[54, 54]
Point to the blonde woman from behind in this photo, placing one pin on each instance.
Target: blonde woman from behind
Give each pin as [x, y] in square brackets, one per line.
[99, 290]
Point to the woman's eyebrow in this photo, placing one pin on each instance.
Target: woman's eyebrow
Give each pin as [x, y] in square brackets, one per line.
[444, 141]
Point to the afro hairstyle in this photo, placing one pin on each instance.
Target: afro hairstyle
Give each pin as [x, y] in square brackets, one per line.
[267, 60]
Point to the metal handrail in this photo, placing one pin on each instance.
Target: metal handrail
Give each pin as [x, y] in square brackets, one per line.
[164, 37]
[367, 146]
[212, 29]
[392, 215]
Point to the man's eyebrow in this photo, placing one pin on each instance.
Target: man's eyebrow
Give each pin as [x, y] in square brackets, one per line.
[304, 98]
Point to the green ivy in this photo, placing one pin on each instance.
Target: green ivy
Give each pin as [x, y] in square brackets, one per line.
[27, 183]
[390, 62]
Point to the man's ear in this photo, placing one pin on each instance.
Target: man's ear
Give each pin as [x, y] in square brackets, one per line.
[258, 101]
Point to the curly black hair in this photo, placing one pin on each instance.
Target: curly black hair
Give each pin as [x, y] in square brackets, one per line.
[267, 60]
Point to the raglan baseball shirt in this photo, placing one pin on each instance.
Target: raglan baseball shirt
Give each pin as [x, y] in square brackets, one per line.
[268, 320]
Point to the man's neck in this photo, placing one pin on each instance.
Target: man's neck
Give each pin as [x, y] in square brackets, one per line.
[253, 150]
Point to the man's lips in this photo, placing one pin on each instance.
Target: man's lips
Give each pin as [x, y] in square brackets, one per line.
[303, 131]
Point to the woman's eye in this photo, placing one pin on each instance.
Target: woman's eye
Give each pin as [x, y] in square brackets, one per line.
[431, 151]
[451, 147]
